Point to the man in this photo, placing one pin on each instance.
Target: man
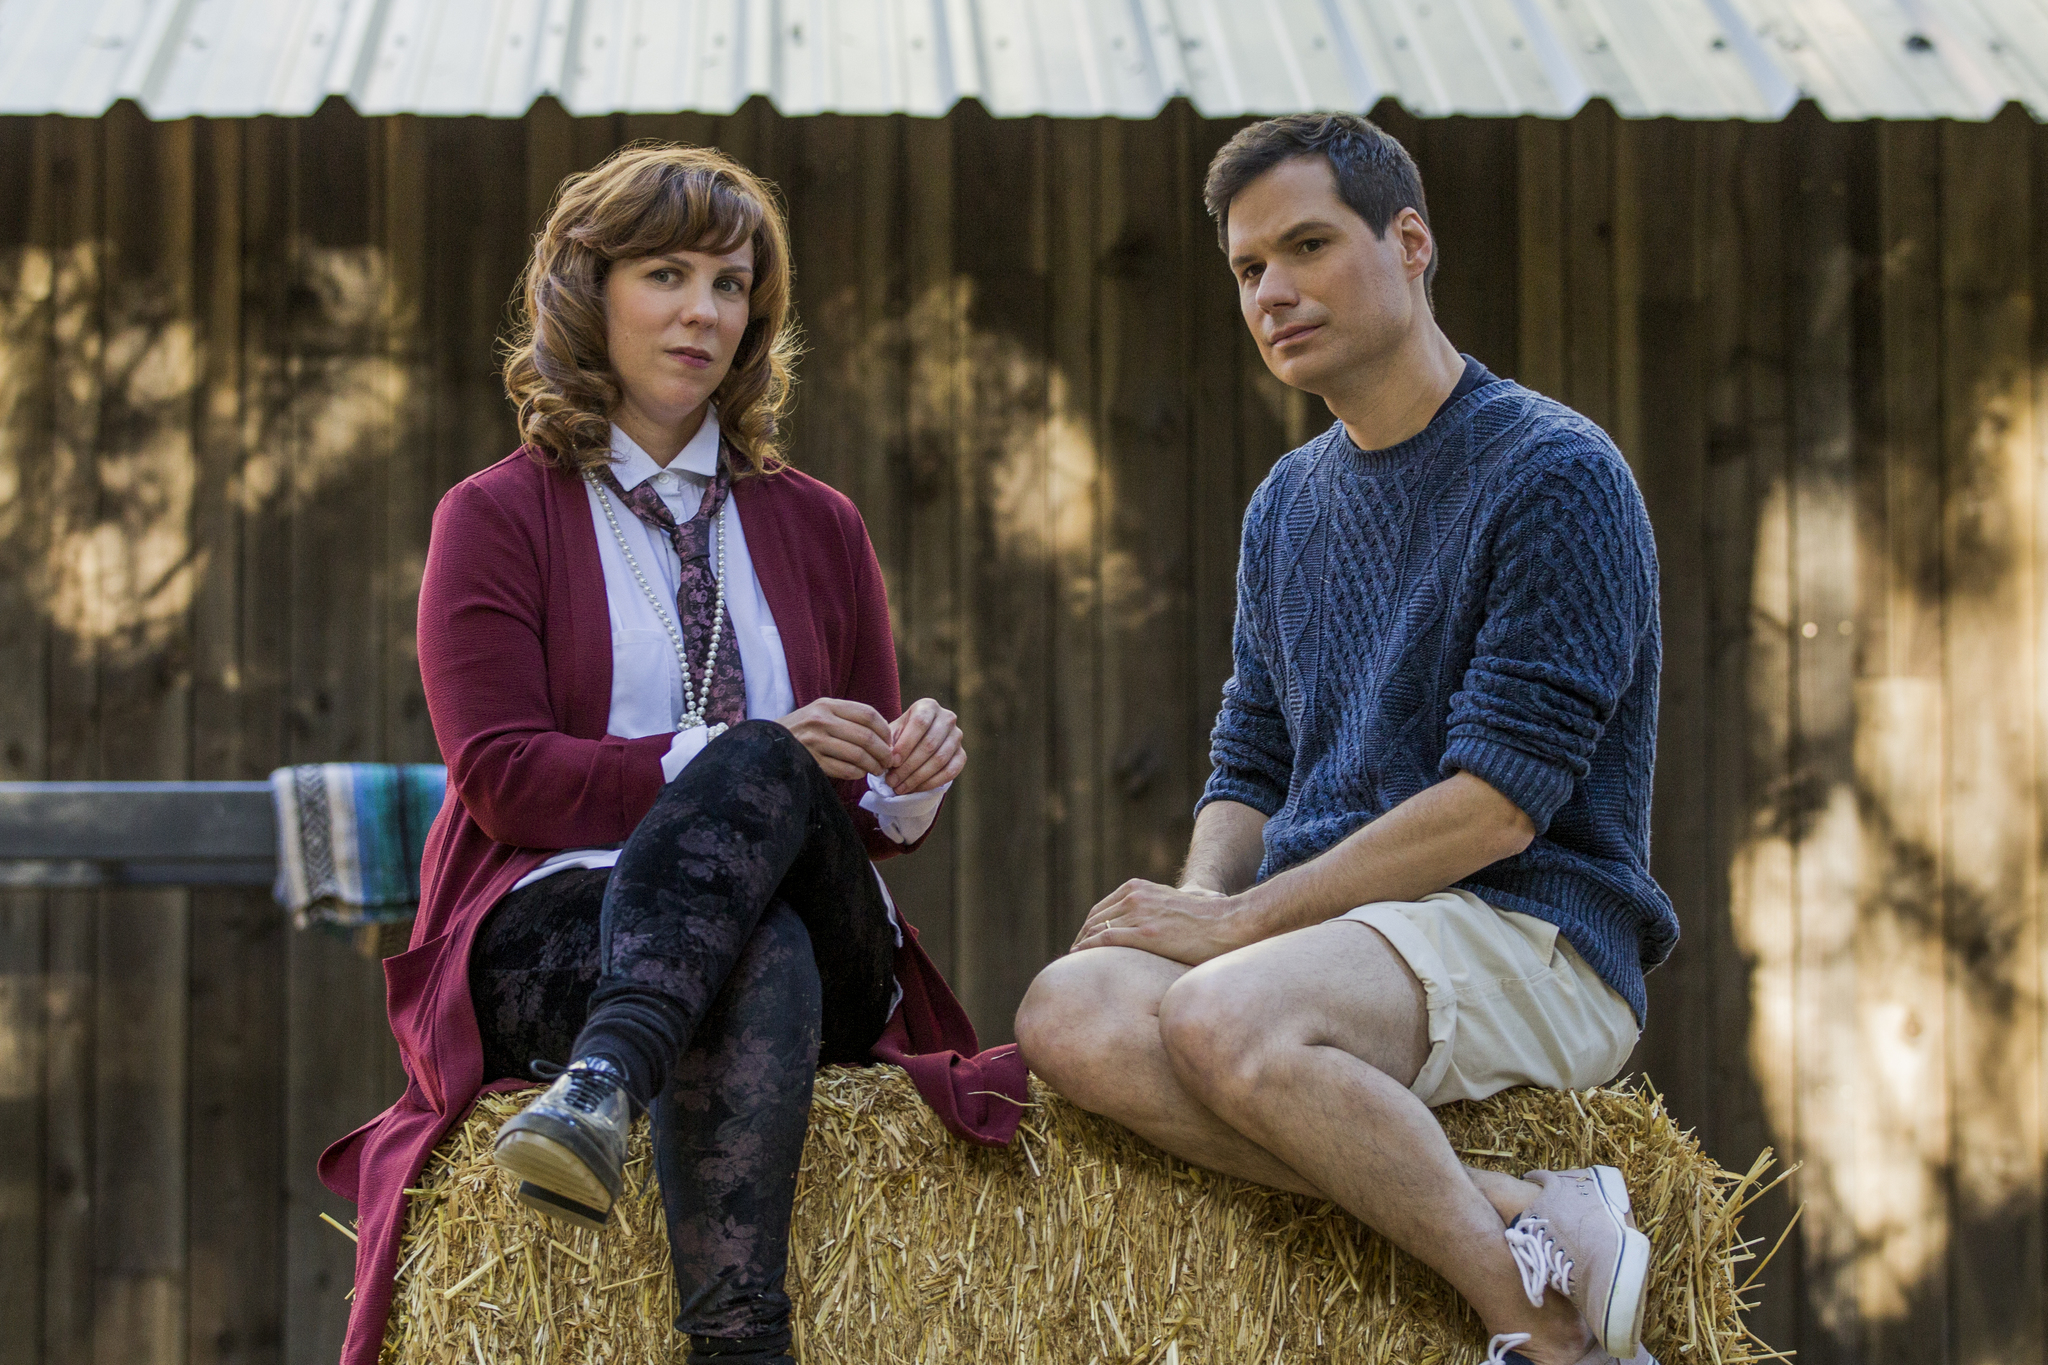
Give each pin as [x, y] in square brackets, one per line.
[1420, 870]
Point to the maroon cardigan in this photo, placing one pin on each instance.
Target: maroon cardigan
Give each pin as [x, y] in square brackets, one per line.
[515, 652]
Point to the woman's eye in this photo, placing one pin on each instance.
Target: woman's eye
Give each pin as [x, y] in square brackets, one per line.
[663, 276]
[731, 285]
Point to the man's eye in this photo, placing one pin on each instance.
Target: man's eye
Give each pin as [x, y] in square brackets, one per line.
[1312, 244]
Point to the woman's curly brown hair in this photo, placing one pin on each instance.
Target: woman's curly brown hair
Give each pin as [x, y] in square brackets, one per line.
[643, 200]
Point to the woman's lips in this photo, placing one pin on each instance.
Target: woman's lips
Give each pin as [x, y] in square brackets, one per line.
[692, 357]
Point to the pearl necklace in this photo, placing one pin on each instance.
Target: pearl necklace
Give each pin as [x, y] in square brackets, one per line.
[694, 699]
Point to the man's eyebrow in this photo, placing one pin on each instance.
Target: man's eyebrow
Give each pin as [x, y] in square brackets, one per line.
[1287, 238]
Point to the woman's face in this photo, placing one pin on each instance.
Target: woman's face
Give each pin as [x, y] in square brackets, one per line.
[672, 324]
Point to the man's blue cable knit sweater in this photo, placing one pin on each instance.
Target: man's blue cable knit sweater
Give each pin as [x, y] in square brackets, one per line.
[1481, 597]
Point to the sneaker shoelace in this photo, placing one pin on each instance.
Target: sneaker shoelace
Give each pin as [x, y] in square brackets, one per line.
[1538, 1257]
[1497, 1349]
[588, 1088]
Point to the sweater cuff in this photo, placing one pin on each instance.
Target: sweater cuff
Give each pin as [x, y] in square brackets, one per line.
[1539, 788]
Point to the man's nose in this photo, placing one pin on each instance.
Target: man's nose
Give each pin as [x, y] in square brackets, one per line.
[1276, 290]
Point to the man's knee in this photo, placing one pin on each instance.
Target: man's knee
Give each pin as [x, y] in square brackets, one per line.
[1222, 1039]
[1079, 1013]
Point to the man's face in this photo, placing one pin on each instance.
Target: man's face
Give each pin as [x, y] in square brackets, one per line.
[1323, 295]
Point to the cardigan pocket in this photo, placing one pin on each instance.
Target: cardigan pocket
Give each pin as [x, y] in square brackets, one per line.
[409, 981]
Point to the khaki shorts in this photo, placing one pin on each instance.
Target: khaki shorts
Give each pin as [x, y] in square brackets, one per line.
[1510, 1002]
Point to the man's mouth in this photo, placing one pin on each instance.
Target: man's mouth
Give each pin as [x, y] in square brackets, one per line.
[1293, 333]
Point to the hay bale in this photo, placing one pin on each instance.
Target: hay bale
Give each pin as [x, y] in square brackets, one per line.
[1079, 1244]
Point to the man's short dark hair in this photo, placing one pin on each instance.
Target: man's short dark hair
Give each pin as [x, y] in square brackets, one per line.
[1376, 178]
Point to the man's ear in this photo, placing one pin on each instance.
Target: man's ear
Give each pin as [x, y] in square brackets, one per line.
[1418, 247]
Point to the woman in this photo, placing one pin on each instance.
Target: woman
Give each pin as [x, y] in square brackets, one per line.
[659, 666]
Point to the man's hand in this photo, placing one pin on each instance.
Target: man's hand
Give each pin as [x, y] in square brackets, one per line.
[925, 748]
[1189, 924]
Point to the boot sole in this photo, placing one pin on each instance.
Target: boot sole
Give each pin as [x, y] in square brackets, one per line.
[557, 1175]
[557, 1207]
[1621, 1328]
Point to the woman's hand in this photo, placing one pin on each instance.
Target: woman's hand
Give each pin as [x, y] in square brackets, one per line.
[848, 738]
[925, 748]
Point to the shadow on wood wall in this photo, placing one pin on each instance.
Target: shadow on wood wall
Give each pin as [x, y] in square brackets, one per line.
[242, 359]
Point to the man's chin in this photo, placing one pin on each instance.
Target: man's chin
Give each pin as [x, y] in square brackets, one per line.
[1309, 373]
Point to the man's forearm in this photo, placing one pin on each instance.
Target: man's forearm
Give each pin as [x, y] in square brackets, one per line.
[1227, 847]
[1440, 835]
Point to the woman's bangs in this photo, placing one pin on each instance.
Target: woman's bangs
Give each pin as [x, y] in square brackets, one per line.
[692, 211]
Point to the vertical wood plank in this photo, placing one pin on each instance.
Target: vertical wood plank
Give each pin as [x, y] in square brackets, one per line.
[263, 727]
[1672, 469]
[25, 436]
[1745, 726]
[927, 640]
[414, 478]
[550, 156]
[1149, 791]
[1539, 255]
[1992, 816]
[1901, 1204]
[236, 1300]
[341, 1064]
[1078, 877]
[830, 436]
[1750, 537]
[74, 175]
[1005, 563]
[1217, 497]
[1589, 264]
[1468, 177]
[1822, 808]
[145, 468]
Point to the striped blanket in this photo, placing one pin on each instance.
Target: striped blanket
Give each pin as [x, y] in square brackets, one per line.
[350, 837]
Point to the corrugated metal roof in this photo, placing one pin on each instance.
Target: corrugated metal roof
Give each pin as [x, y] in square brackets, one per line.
[1749, 59]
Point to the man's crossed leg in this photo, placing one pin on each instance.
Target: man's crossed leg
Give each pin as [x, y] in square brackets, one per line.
[1290, 1063]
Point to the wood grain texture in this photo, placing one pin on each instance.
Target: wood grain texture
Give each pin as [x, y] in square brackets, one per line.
[27, 258]
[926, 598]
[1905, 1152]
[1822, 814]
[1672, 456]
[1993, 816]
[1078, 876]
[1142, 245]
[1742, 947]
[72, 171]
[1004, 455]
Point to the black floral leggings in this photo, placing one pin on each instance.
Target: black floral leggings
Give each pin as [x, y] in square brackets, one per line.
[741, 940]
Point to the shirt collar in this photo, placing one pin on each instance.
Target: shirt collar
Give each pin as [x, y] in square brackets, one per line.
[633, 466]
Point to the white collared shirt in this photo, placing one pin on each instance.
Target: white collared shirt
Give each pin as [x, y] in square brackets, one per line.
[647, 682]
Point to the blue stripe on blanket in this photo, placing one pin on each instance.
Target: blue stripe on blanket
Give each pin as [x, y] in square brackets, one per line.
[350, 839]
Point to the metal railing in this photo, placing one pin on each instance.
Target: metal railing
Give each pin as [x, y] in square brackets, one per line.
[86, 834]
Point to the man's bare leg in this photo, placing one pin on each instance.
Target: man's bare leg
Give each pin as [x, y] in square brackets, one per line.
[1089, 1026]
[1296, 1053]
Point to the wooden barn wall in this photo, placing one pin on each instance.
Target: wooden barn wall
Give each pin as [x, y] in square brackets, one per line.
[240, 360]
